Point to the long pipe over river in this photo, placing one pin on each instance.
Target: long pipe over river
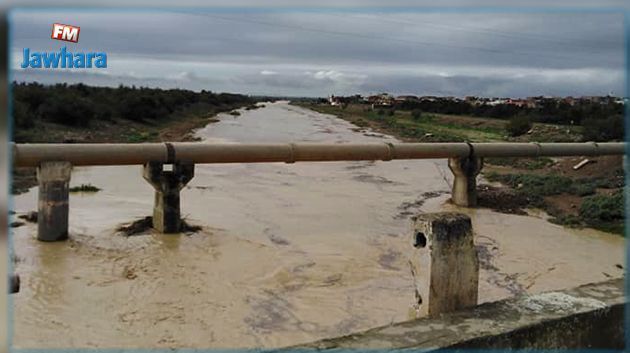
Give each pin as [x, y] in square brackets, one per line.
[30, 155]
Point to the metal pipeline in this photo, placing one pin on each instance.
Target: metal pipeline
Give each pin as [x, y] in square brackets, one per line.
[30, 155]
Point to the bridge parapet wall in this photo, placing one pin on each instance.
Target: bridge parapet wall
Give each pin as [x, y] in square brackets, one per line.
[589, 316]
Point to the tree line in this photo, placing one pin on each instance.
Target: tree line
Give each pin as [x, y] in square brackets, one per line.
[80, 104]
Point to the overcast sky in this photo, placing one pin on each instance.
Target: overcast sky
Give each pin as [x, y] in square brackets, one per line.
[318, 53]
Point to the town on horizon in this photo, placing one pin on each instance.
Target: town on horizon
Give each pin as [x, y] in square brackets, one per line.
[388, 100]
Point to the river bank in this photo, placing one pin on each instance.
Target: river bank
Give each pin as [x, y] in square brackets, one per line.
[591, 196]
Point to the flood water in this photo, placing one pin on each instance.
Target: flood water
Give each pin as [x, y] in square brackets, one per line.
[289, 253]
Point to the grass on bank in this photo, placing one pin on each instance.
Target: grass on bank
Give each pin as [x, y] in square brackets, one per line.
[521, 163]
[84, 188]
[604, 211]
[425, 127]
[433, 127]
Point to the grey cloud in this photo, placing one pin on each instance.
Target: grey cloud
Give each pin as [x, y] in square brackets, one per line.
[568, 4]
[323, 52]
[180, 80]
[459, 85]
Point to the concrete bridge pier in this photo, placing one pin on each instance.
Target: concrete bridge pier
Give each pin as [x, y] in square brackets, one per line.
[52, 206]
[446, 252]
[167, 185]
[465, 171]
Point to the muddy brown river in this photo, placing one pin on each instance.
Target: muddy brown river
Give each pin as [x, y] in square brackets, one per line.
[289, 253]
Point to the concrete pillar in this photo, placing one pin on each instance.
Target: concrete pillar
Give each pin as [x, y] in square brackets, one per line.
[444, 263]
[167, 185]
[465, 171]
[52, 207]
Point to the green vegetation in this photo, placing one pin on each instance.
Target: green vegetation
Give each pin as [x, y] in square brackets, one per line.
[537, 185]
[519, 125]
[423, 127]
[599, 210]
[602, 119]
[607, 129]
[605, 212]
[534, 187]
[137, 137]
[84, 188]
[521, 163]
[80, 106]
[550, 111]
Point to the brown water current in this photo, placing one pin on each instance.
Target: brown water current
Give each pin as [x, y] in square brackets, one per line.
[289, 253]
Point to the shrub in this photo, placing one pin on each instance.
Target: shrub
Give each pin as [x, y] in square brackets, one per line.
[543, 185]
[84, 188]
[103, 112]
[416, 114]
[33, 94]
[537, 163]
[412, 132]
[141, 108]
[607, 129]
[394, 124]
[546, 185]
[22, 116]
[517, 162]
[584, 188]
[568, 220]
[361, 123]
[66, 109]
[519, 125]
[602, 208]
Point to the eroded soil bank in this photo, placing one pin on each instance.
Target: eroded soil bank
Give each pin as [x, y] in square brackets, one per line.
[288, 253]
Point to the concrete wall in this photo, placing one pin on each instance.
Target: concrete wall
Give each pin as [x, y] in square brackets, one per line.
[590, 316]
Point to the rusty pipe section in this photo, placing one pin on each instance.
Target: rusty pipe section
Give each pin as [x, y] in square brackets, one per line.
[30, 155]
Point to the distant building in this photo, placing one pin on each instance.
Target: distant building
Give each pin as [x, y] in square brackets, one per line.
[594, 99]
[381, 100]
[569, 100]
[496, 101]
[472, 100]
[428, 98]
[401, 99]
[334, 100]
[520, 103]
